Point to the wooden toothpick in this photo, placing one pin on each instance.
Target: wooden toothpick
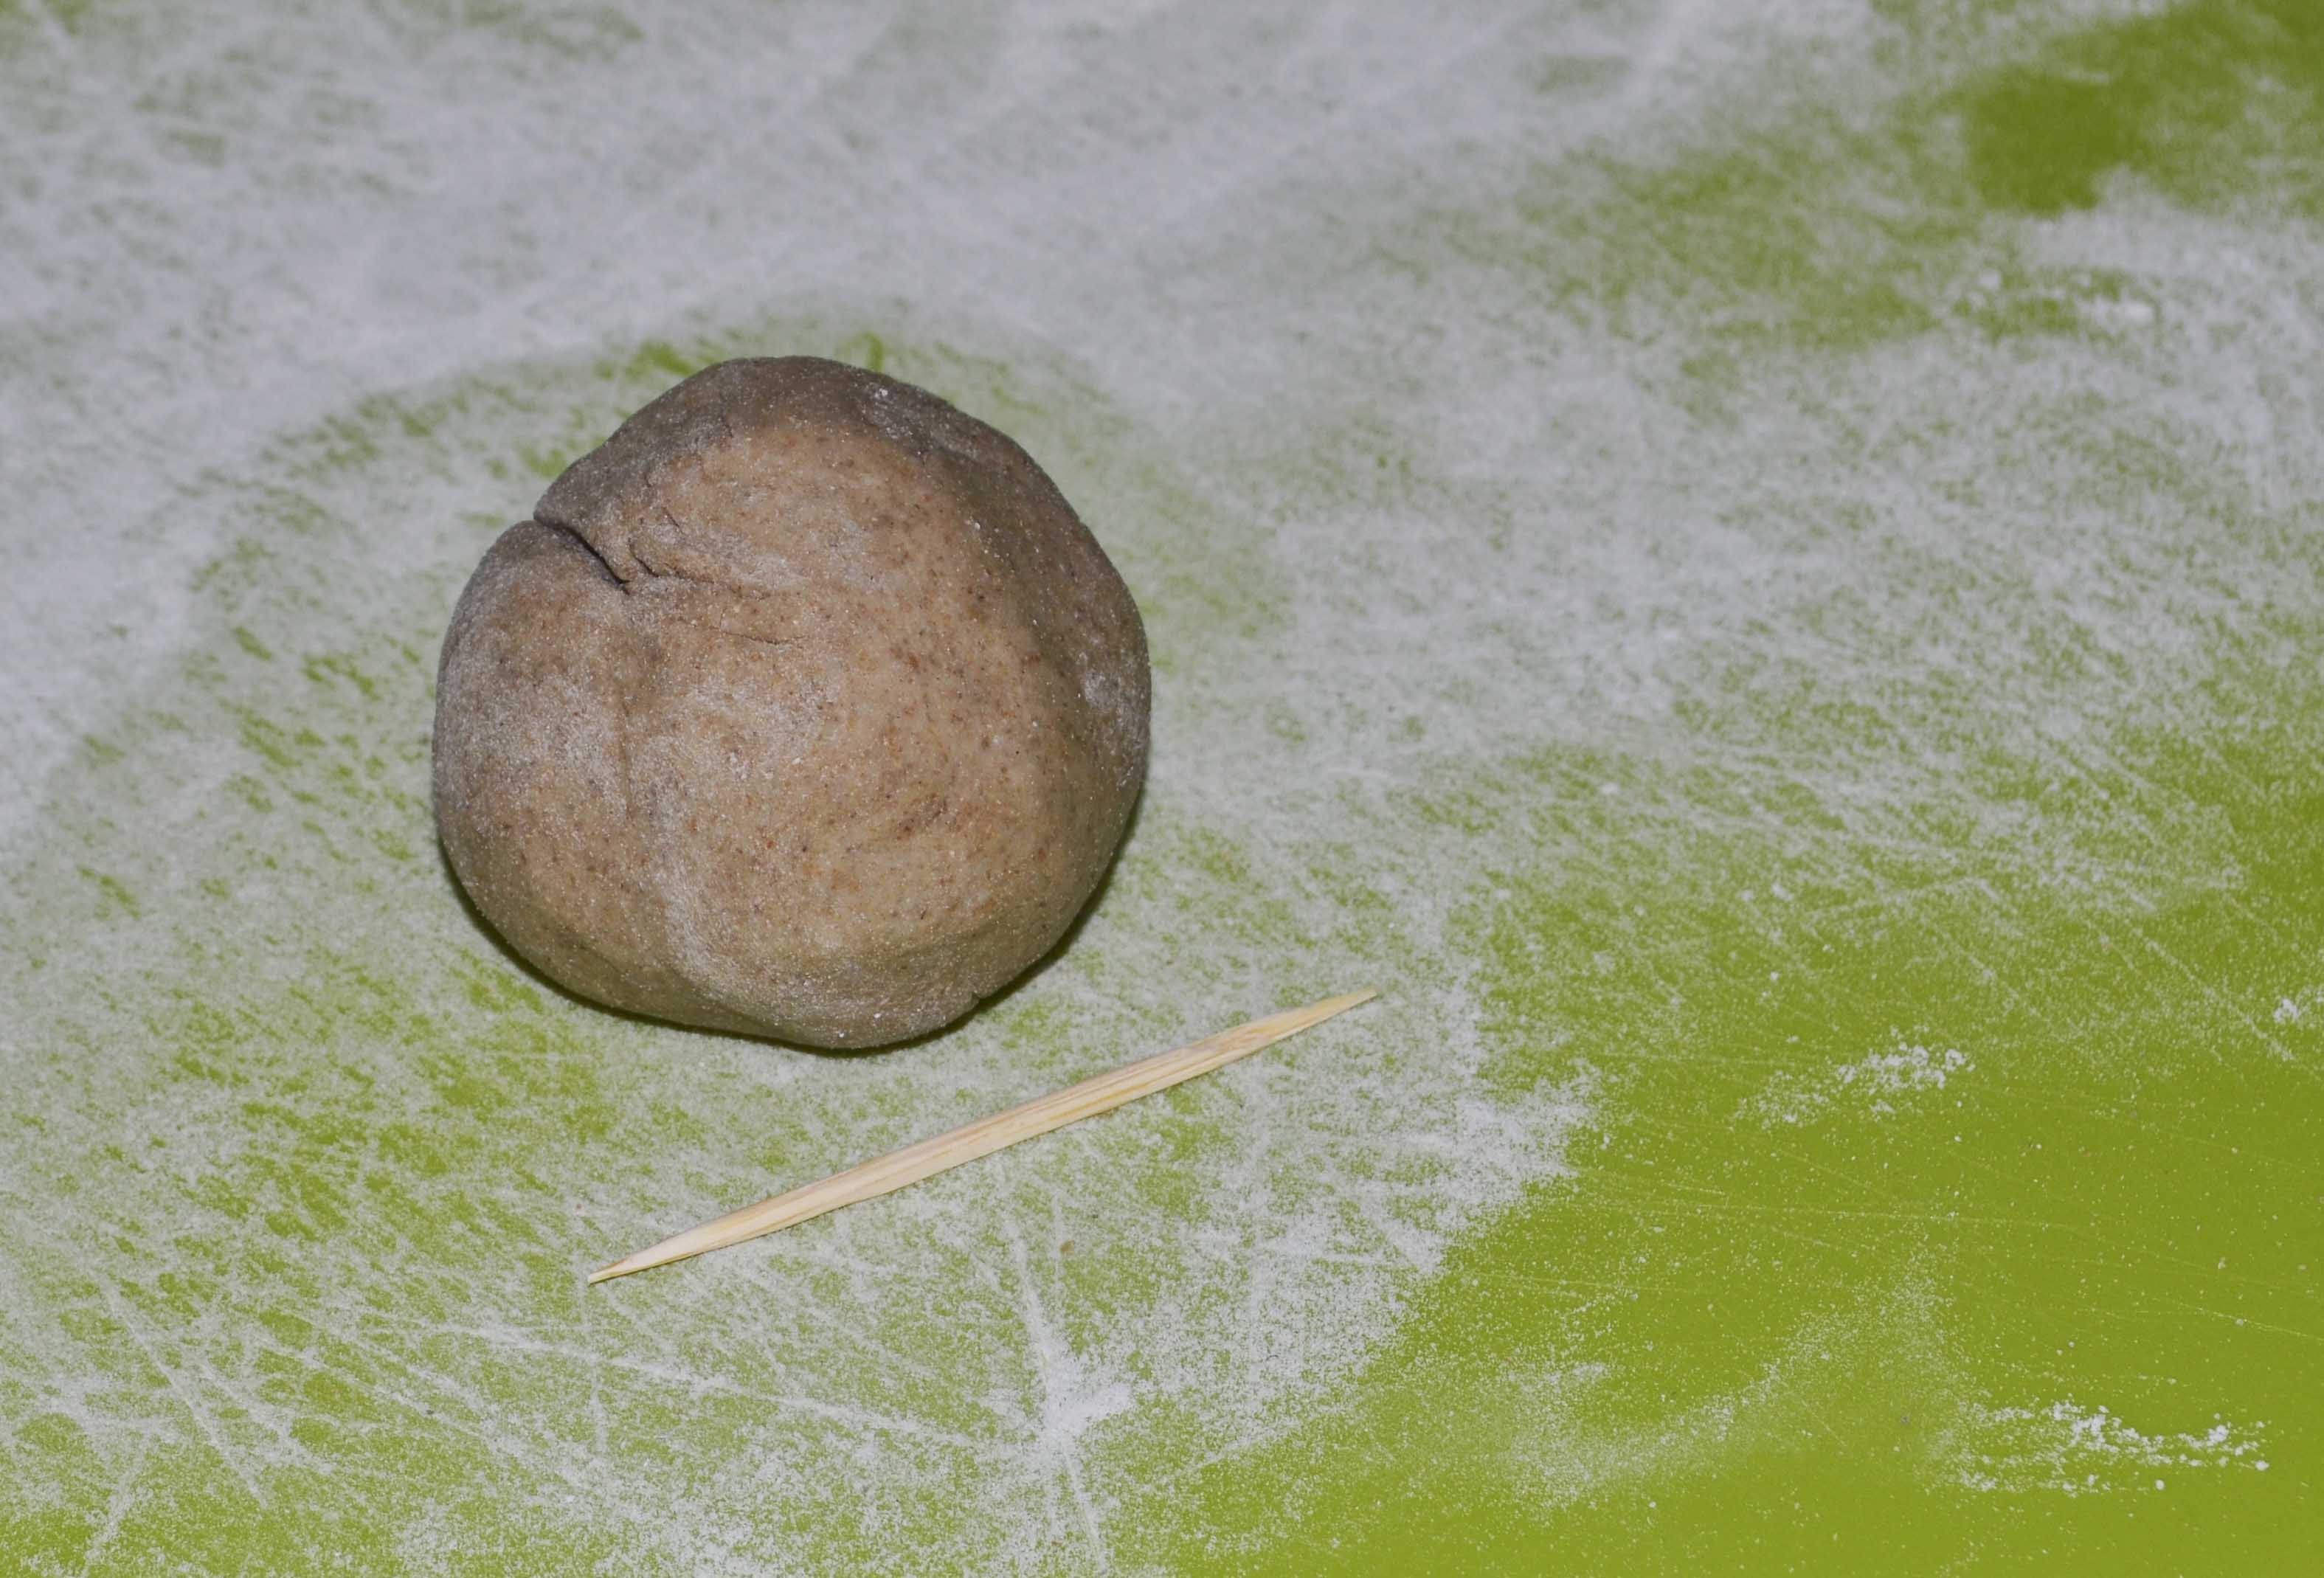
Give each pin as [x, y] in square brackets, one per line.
[983, 1138]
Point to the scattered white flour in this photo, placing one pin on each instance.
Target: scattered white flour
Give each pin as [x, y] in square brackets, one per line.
[2079, 1451]
[1872, 1086]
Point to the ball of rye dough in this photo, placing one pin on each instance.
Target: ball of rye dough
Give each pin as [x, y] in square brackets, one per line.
[804, 706]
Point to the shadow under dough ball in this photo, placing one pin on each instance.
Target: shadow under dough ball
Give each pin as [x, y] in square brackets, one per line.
[804, 706]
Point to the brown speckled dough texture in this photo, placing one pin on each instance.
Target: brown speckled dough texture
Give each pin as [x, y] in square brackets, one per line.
[804, 706]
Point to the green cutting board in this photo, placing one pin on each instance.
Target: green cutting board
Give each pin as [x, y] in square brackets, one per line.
[1759, 573]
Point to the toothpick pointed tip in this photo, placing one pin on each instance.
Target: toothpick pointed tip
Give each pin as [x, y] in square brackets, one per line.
[679, 1246]
[1315, 1013]
[644, 1260]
